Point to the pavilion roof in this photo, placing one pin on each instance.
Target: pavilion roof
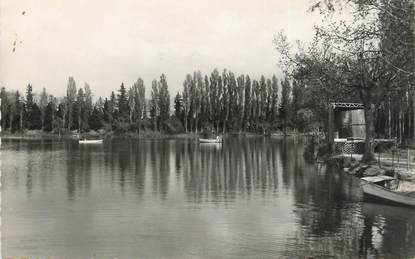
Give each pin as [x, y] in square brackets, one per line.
[347, 106]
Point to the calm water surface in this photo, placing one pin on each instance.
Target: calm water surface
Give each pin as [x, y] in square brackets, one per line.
[250, 198]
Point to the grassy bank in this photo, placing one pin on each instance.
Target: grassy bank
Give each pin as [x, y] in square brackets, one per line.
[352, 165]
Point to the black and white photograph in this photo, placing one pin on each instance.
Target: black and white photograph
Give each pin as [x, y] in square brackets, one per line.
[207, 129]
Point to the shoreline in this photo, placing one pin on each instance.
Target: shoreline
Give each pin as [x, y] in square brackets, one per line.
[37, 134]
[351, 165]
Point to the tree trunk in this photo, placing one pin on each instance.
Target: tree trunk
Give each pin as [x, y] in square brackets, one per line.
[53, 120]
[196, 122]
[224, 126]
[330, 129]
[389, 120]
[400, 125]
[413, 115]
[64, 119]
[11, 118]
[21, 120]
[79, 124]
[368, 155]
[3, 122]
[185, 123]
[69, 119]
[155, 124]
[43, 121]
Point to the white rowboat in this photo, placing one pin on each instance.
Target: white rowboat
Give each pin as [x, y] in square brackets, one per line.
[91, 141]
[210, 140]
[389, 189]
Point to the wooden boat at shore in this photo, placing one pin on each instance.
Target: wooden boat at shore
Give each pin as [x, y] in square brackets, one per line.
[389, 189]
[90, 141]
[216, 140]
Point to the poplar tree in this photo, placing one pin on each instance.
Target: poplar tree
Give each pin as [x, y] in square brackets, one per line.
[274, 103]
[198, 90]
[206, 104]
[178, 106]
[186, 100]
[88, 105]
[43, 102]
[154, 107]
[240, 108]
[163, 100]
[70, 100]
[80, 103]
[132, 93]
[141, 100]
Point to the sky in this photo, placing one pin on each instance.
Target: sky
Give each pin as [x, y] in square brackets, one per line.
[106, 42]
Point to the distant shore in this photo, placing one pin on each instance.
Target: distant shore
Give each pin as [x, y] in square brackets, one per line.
[38, 134]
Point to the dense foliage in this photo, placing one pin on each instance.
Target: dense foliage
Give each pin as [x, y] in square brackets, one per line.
[367, 57]
[220, 102]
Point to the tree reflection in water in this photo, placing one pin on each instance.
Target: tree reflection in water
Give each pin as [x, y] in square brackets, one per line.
[299, 210]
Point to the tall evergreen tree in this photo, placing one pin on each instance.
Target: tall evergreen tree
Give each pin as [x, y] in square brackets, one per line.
[29, 96]
[123, 108]
[29, 115]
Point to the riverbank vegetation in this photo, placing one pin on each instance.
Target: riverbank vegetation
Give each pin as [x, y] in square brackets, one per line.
[220, 102]
[366, 57]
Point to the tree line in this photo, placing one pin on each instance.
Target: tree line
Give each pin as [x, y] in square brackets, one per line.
[220, 102]
[225, 102]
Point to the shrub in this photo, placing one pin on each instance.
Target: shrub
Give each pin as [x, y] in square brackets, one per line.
[174, 126]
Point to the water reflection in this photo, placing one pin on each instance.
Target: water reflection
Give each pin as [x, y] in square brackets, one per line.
[385, 227]
[250, 197]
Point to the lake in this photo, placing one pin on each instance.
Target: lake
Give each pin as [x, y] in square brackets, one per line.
[251, 197]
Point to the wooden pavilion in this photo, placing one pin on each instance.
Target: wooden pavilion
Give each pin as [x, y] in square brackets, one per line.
[346, 131]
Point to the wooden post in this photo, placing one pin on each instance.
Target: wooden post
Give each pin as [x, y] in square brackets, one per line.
[407, 161]
[379, 158]
[399, 156]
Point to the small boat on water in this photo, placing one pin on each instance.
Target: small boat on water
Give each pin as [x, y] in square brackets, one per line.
[389, 189]
[90, 141]
[211, 140]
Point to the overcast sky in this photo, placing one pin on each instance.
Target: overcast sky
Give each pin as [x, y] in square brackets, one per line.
[106, 42]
